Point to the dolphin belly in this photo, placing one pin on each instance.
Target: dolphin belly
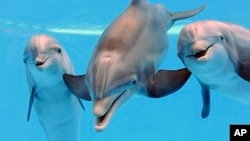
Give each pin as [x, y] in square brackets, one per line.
[60, 118]
[57, 109]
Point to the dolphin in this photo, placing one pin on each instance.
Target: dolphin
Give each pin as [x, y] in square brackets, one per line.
[218, 55]
[57, 109]
[126, 59]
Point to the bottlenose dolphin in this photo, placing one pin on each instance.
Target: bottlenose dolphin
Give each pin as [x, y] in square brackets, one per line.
[126, 58]
[57, 109]
[218, 54]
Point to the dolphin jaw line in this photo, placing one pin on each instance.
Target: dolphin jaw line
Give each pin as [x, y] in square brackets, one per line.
[200, 53]
[102, 121]
[40, 63]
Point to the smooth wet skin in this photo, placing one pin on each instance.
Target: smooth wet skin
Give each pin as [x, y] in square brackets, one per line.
[217, 53]
[57, 109]
[126, 59]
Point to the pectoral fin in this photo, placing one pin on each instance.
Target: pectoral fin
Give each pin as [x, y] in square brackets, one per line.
[80, 102]
[244, 70]
[205, 91]
[77, 86]
[165, 82]
[31, 101]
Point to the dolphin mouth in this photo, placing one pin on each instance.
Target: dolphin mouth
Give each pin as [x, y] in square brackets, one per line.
[39, 63]
[102, 121]
[201, 53]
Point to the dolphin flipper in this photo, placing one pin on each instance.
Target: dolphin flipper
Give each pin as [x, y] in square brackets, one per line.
[32, 97]
[205, 91]
[165, 82]
[77, 86]
[80, 102]
[244, 70]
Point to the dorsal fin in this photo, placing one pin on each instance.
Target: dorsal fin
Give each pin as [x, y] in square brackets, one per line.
[134, 2]
[186, 14]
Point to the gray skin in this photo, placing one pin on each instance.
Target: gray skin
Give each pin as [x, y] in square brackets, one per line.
[126, 59]
[57, 109]
[218, 55]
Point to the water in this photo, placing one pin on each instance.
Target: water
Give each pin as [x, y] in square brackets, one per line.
[77, 25]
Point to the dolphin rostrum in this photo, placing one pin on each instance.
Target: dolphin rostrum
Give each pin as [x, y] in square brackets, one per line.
[57, 109]
[218, 54]
[126, 58]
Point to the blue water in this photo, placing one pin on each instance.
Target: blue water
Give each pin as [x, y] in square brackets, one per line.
[77, 25]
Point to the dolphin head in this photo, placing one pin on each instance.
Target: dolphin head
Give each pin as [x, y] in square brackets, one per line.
[111, 81]
[44, 57]
[202, 47]
[119, 62]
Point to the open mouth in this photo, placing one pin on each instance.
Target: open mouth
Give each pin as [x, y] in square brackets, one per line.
[41, 62]
[102, 121]
[201, 53]
[38, 63]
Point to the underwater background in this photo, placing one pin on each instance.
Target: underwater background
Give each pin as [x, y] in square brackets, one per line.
[77, 25]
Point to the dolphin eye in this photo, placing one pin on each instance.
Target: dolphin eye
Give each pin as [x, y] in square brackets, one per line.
[221, 38]
[53, 50]
[59, 50]
[134, 82]
[24, 60]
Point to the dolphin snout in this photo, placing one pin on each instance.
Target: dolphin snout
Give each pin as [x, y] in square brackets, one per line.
[101, 106]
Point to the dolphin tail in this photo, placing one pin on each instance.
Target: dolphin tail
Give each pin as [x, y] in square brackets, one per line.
[165, 82]
[77, 86]
[186, 14]
[32, 97]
